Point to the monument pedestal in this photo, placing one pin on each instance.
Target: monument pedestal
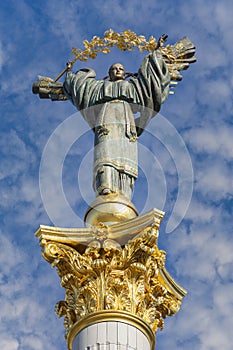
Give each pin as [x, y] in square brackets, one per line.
[110, 210]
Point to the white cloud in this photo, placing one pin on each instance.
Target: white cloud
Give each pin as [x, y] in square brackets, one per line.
[10, 256]
[15, 155]
[67, 26]
[225, 271]
[212, 140]
[214, 179]
[217, 92]
[24, 306]
[200, 210]
[33, 342]
[223, 13]
[7, 343]
[10, 143]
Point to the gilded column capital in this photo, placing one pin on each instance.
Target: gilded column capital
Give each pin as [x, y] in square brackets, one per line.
[106, 275]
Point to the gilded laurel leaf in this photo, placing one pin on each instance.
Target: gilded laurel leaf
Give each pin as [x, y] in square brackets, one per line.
[86, 44]
[106, 50]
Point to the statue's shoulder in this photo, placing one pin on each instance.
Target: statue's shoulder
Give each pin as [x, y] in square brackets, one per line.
[85, 72]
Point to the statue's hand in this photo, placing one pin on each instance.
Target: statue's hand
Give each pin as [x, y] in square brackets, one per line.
[46, 87]
[162, 40]
[69, 65]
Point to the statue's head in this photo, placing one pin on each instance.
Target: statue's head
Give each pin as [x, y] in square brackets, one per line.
[116, 72]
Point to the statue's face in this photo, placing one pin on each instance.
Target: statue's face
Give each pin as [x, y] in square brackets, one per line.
[116, 72]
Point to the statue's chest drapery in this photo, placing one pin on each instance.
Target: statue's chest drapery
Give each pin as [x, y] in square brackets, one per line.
[104, 91]
[98, 94]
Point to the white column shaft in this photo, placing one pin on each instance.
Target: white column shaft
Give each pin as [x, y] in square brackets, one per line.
[112, 335]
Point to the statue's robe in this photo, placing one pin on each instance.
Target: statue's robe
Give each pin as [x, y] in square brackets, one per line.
[109, 109]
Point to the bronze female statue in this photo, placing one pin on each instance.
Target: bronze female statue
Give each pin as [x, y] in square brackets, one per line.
[110, 106]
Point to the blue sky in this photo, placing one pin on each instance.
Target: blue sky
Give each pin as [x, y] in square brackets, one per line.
[36, 39]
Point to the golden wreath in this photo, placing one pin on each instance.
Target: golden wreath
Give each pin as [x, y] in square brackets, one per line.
[126, 40]
[177, 57]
